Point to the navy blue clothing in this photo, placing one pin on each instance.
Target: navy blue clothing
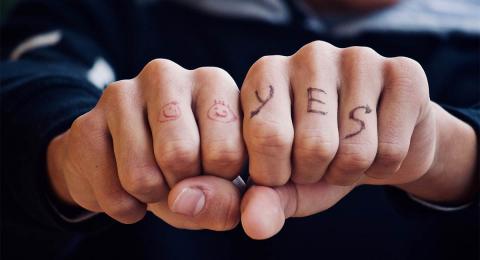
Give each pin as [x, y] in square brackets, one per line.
[46, 89]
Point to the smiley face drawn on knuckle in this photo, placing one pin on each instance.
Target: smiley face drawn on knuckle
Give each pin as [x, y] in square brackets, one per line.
[170, 111]
[221, 112]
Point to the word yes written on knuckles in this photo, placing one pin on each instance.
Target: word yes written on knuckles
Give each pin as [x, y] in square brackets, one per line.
[312, 100]
[313, 106]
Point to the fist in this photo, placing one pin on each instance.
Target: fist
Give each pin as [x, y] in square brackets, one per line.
[146, 143]
[326, 119]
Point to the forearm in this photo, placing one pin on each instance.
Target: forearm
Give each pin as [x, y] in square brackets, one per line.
[453, 177]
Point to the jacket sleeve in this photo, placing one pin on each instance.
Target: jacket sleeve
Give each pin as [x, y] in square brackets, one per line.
[56, 57]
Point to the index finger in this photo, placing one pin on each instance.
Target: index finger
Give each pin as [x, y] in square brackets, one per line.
[268, 128]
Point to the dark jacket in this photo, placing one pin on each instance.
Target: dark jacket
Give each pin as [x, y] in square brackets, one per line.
[45, 89]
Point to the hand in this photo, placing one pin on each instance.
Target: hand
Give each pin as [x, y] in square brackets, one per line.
[326, 119]
[141, 148]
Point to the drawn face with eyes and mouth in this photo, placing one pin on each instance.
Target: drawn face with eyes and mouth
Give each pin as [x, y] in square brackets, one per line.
[170, 111]
[221, 112]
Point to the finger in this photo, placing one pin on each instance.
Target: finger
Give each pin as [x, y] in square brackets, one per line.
[100, 170]
[138, 171]
[176, 140]
[202, 202]
[361, 86]
[264, 209]
[399, 110]
[314, 83]
[222, 148]
[74, 189]
[81, 192]
[268, 128]
[77, 185]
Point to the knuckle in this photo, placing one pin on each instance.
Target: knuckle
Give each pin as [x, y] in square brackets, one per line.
[353, 158]
[123, 208]
[159, 66]
[222, 157]
[158, 73]
[358, 61]
[78, 126]
[83, 125]
[313, 48]
[143, 180]
[177, 154]
[316, 148]
[359, 53]
[267, 62]
[117, 92]
[267, 136]
[407, 75]
[212, 73]
[319, 45]
[213, 77]
[390, 154]
[404, 67]
[405, 64]
[263, 69]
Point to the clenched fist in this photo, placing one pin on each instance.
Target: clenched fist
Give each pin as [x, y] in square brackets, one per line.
[146, 143]
[326, 119]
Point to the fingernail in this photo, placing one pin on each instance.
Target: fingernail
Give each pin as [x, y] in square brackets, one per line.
[189, 202]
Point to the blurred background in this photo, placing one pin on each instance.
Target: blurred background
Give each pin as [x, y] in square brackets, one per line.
[5, 6]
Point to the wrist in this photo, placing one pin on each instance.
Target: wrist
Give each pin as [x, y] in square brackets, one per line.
[451, 178]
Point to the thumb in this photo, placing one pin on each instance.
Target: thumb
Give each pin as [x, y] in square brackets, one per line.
[201, 202]
[264, 209]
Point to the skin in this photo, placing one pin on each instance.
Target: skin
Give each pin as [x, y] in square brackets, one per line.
[140, 148]
[317, 124]
[379, 128]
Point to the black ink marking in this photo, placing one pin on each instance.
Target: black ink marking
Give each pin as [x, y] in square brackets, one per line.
[312, 100]
[361, 122]
[262, 101]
